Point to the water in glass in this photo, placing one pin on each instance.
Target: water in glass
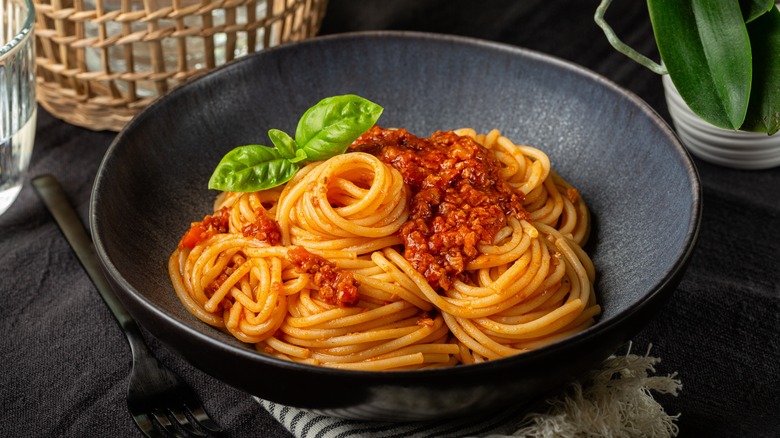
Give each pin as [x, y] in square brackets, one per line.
[17, 96]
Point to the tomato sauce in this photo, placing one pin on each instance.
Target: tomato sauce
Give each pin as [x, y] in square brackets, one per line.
[264, 229]
[210, 225]
[459, 199]
[336, 286]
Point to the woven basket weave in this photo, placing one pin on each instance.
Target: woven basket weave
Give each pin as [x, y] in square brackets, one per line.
[99, 62]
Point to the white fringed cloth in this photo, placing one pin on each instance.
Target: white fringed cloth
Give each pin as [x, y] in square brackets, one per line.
[616, 400]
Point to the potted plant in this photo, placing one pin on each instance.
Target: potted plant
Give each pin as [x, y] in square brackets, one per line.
[721, 61]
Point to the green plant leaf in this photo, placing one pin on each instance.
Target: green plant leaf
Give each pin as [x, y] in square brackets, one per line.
[300, 155]
[324, 130]
[764, 108]
[710, 61]
[251, 168]
[329, 127]
[752, 9]
[283, 142]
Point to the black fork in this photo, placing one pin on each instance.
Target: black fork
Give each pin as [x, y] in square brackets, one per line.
[155, 393]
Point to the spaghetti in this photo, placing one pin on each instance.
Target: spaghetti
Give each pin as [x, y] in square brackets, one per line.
[403, 253]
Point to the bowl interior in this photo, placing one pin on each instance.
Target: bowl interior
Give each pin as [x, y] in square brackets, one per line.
[638, 181]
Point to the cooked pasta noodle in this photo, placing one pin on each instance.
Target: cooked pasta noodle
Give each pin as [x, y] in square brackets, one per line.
[530, 286]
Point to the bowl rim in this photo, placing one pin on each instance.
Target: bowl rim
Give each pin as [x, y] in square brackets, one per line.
[601, 326]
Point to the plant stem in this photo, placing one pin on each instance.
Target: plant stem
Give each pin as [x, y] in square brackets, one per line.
[622, 47]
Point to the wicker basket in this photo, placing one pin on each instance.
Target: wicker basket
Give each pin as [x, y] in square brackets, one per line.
[99, 62]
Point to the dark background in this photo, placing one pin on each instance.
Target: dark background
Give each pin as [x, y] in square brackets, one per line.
[65, 363]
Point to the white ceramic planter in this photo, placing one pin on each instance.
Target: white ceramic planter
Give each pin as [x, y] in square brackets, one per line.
[736, 149]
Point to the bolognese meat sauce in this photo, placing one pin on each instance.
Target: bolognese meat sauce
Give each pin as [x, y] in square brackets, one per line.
[216, 223]
[335, 286]
[264, 229]
[459, 199]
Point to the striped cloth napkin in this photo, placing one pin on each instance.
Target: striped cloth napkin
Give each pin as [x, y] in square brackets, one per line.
[614, 400]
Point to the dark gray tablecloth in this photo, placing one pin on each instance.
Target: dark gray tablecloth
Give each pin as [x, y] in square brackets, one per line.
[65, 363]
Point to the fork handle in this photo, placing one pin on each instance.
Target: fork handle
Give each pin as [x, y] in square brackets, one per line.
[53, 196]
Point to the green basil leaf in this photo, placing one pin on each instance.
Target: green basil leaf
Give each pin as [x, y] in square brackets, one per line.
[752, 9]
[709, 61]
[283, 142]
[251, 168]
[764, 108]
[329, 127]
[300, 155]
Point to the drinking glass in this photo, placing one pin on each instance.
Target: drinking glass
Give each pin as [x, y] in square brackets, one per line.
[18, 109]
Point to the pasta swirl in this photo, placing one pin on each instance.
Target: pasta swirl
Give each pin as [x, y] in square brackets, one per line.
[530, 285]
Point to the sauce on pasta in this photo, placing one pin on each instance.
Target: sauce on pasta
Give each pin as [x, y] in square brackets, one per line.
[402, 253]
[458, 199]
[335, 286]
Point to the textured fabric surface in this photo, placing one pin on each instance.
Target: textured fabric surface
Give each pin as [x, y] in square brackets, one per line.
[65, 364]
[615, 399]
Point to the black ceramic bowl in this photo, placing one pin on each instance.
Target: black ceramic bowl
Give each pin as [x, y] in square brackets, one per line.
[639, 182]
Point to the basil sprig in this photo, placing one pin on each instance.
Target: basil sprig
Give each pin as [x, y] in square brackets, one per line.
[324, 130]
